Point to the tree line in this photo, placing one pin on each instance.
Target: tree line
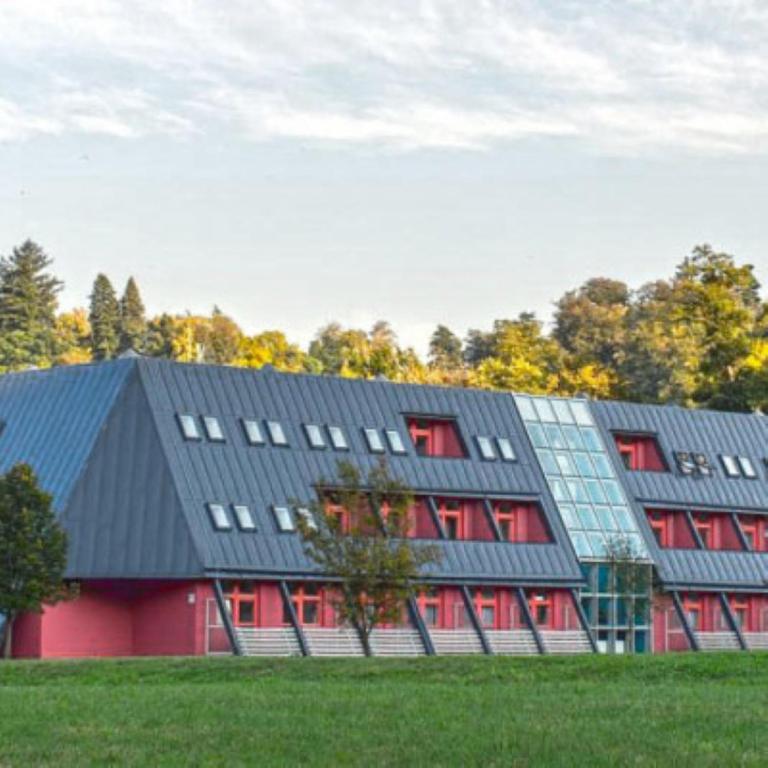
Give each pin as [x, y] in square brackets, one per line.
[698, 338]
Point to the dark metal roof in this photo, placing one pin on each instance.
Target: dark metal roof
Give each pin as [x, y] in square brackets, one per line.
[712, 433]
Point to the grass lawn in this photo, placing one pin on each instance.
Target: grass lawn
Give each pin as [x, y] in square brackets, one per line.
[675, 710]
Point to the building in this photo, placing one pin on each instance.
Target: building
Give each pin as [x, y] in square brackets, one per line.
[179, 486]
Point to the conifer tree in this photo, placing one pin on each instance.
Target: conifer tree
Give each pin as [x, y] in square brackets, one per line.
[104, 318]
[133, 323]
[28, 301]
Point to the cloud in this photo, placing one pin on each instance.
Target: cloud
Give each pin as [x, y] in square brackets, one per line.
[684, 75]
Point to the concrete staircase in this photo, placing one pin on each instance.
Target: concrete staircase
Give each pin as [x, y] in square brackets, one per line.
[566, 641]
[718, 641]
[279, 641]
[396, 642]
[756, 641]
[513, 642]
[450, 642]
[341, 641]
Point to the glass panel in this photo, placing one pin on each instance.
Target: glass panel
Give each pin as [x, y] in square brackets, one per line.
[188, 425]
[314, 435]
[486, 448]
[565, 464]
[548, 463]
[308, 517]
[613, 491]
[597, 542]
[584, 465]
[538, 436]
[338, 438]
[526, 409]
[562, 411]
[606, 518]
[577, 491]
[505, 449]
[253, 432]
[544, 409]
[581, 412]
[588, 518]
[558, 489]
[624, 518]
[284, 519]
[604, 578]
[373, 439]
[246, 612]
[573, 438]
[602, 465]
[591, 439]
[569, 516]
[595, 491]
[396, 444]
[555, 436]
[746, 467]
[581, 544]
[213, 429]
[276, 433]
[244, 518]
[219, 517]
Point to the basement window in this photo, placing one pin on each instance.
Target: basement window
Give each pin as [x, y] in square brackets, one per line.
[244, 517]
[373, 438]
[315, 436]
[213, 429]
[219, 517]
[188, 425]
[505, 449]
[338, 439]
[253, 432]
[486, 448]
[284, 519]
[730, 466]
[276, 433]
[395, 441]
[747, 468]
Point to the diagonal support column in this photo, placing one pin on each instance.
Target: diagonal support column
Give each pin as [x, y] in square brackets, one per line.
[475, 619]
[689, 633]
[421, 627]
[583, 619]
[731, 619]
[291, 611]
[526, 611]
[226, 618]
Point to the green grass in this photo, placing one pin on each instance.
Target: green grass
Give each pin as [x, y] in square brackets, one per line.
[678, 710]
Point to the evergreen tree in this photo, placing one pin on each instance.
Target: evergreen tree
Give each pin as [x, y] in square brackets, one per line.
[104, 318]
[445, 350]
[133, 323]
[161, 332]
[28, 301]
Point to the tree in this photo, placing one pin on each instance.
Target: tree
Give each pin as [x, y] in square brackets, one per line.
[33, 548]
[270, 348]
[631, 577]
[73, 332]
[104, 317]
[160, 334]
[223, 339]
[133, 323]
[445, 349]
[28, 301]
[376, 566]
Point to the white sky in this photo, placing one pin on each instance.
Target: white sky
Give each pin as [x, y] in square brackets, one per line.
[424, 162]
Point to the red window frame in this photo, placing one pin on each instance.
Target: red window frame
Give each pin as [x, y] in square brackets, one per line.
[421, 430]
[541, 600]
[659, 522]
[458, 516]
[487, 598]
[239, 594]
[702, 522]
[756, 532]
[430, 598]
[302, 599]
[510, 516]
[692, 607]
[333, 509]
[740, 610]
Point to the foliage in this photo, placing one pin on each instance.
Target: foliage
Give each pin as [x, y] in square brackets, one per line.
[104, 318]
[133, 323]
[73, 334]
[33, 547]
[376, 565]
[271, 348]
[445, 349]
[28, 302]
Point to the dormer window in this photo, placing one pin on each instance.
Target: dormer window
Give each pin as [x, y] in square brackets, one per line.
[640, 453]
[213, 429]
[435, 437]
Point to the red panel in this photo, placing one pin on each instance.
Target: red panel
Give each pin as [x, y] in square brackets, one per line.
[640, 453]
[27, 636]
[435, 437]
[668, 633]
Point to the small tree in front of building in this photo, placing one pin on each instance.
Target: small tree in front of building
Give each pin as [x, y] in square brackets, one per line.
[632, 580]
[33, 549]
[357, 533]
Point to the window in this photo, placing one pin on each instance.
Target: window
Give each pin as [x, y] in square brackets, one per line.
[730, 466]
[506, 517]
[486, 448]
[244, 517]
[338, 513]
[540, 604]
[685, 463]
[308, 517]
[188, 425]
[703, 525]
[505, 449]
[219, 517]
[640, 453]
[702, 464]
[338, 439]
[213, 429]
[242, 603]
[485, 607]
[435, 437]
[396, 444]
[692, 609]
[306, 599]
[284, 519]
[747, 468]
[373, 438]
[451, 514]
[252, 432]
[314, 436]
[430, 607]
[276, 433]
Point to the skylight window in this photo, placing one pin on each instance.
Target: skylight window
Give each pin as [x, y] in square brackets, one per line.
[338, 438]
[685, 462]
[276, 433]
[284, 519]
[253, 432]
[505, 449]
[244, 517]
[486, 448]
[308, 517]
[188, 424]
[730, 466]
[396, 444]
[373, 438]
[702, 464]
[219, 517]
[213, 429]
[747, 468]
[314, 435]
